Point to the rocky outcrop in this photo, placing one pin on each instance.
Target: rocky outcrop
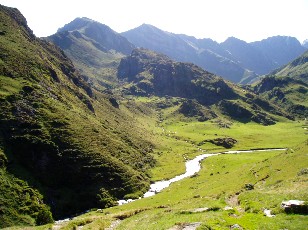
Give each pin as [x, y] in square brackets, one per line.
[191, 108]
[295, 206]
[155, 74]
[226, 142]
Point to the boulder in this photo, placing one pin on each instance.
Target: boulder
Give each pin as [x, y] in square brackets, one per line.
[295, 206]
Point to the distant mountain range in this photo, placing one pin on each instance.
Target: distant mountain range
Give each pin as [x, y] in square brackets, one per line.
[233, 59]
[95, 47]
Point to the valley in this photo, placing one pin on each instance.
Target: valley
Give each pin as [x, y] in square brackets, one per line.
[87, 119]
[216, 196]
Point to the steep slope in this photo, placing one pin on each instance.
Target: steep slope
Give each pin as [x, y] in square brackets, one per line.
[248, 56]
[78, 147]
[94, 48]
[288, 86]
[280, 49]
[305, 43]
[100, 33]
[156, 74]
[147, 73]
[203, 52]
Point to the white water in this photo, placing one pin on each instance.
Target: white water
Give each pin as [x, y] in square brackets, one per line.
[192, 166]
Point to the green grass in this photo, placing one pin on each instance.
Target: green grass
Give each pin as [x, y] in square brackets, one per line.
[220, 183]
[182, 139]
[9, 86]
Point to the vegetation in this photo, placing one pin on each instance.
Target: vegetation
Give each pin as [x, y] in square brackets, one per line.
[95, 50]
[288, 86]
[20, 201]
[217, 196]
[57, 134]
[66, 147]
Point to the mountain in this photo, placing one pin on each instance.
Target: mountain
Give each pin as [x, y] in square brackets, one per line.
[305, 43]
[288, 86]
[62, 143]
[203, 52]
[100, 33]
[94, 48]
[233, 59]
[247, 55]
[280, 49]
[147, 73]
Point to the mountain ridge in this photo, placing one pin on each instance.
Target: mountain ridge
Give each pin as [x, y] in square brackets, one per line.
[234, 67]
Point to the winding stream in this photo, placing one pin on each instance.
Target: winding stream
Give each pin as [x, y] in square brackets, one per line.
[192, 166]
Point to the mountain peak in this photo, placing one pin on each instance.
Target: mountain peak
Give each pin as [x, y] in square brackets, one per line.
[233, 40]
[146, 28]
[16, 15]
[81, 23]
[100, 33]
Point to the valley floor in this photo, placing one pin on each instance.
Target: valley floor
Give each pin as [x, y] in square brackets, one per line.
[231, 191]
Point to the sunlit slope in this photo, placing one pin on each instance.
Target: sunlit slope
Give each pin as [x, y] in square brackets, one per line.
[68, 141]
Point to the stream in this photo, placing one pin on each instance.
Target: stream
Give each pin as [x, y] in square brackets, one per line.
[192, 166]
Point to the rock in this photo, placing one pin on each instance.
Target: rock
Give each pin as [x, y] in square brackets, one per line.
[236, 226]
[249, 186]
[295, 206]
[226, 142]
[267, 213]
[114, 102]
[200, 210]
[191, 108]
[186, 226]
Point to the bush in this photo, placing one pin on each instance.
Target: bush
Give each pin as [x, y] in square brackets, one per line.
[44, 216]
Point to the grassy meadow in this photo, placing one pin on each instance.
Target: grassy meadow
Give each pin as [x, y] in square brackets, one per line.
[215, 197]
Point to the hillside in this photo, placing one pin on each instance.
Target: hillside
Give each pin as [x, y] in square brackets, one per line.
[288, 86]
[94, 48]
[232, 59]
[60, 138]
[146, 73]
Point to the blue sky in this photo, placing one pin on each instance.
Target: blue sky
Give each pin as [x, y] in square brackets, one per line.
[249, 20]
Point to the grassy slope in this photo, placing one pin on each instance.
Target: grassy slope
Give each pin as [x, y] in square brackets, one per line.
[56, 133]
[99, 66]
[275, 174]
[276, 177]
[287, 86]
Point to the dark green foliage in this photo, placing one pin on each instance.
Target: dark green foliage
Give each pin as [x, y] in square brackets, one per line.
[60, 135]
[21, 204]
[226, 142]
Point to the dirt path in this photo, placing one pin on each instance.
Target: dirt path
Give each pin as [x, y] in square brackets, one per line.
[113, 225]
[186, 226]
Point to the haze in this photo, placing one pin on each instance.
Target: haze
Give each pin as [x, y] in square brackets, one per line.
[249, 20]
